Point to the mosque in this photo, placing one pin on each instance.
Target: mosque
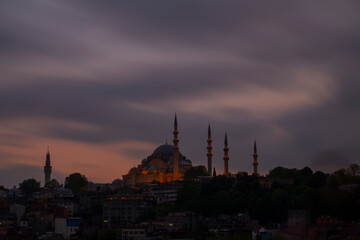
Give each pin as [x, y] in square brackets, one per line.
[167, 164]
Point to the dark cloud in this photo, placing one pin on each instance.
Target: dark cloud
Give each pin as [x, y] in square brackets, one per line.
[331, 160]
[285, 73]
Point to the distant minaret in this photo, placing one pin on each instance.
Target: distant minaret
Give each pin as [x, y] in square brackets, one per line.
[226, 156]
[255, 163]
[176, 151]
[209, 151]
[47, 168]
[214, 173]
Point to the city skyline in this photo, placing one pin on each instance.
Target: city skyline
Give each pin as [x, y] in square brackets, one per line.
[100, 83]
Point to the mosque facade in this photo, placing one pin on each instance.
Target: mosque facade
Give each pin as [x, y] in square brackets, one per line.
[167, 164]
[158, 167]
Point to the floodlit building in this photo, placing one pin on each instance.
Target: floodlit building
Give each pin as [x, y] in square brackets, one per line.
[165, 164]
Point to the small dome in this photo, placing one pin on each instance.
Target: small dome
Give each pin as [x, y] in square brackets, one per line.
[184, 162]
[117, 182]
[62, 190]
[164, 149]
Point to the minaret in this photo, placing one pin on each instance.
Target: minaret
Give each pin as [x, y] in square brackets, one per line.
[176, 151]
[214, 173]
[226, 156]
[209, 151]
[255, 163]
[47, 167]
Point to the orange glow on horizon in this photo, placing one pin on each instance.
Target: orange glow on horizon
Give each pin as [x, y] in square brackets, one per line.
[99, 162]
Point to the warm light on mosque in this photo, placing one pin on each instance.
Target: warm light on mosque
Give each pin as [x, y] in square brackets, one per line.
[167, 164]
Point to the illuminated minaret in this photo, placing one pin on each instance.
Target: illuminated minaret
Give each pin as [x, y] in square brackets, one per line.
[255, 163]
[47, 168]
[176, 151]
[209, 151]
[226, 156]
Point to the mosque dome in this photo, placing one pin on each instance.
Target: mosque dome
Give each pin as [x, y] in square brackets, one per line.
[162, 158]
[165, 149]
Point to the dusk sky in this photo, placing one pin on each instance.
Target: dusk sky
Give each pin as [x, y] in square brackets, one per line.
[99, 82]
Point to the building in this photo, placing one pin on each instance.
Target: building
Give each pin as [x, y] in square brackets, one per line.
[43, 195]
[123, 209]
[18, 210]
[178, 221]
[298, 218]
[41, 217]
[327, 221]
[166, 192]
[67, 226]
[297, 226]
[89, 199]
[133, 232]
[71, 207]
[165, 164]
[3, 229]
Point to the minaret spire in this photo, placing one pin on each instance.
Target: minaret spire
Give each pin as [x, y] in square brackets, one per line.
[47, 167]
[209, 151]
[176, 150]
[175, 122]
[255, 163]
[226, 156]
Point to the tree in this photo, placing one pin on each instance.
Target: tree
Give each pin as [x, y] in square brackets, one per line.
[317, 180]
[76, 182]
[53, 184]
[189, 196]
[195, 172]
[109, 235]
[353, 169]
[340, 173]
[277, 236]
[306, 171]
[163, 209]
[29, 186]
[283, 173]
